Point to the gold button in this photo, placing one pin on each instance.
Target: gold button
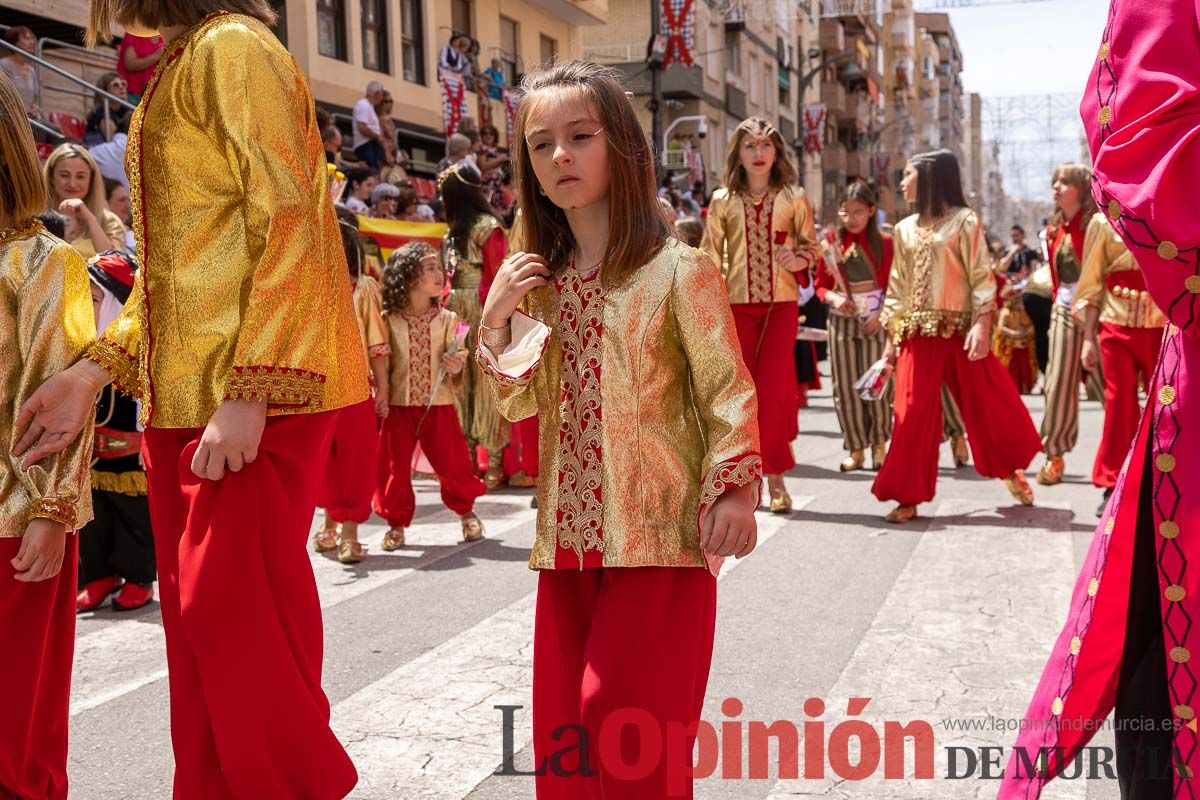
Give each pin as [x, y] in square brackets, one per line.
[1093, 586]
[1106, 115]
[1114, 209]
[1165, 462]
[1108, 526]
[1076, 643]
[1175, 593]
[1184, 712]
[1057, 706]
[1168, 529]
[1166, 395]
[1167, 251]
[1193, 284]
[1180, 655]
[1103, 54]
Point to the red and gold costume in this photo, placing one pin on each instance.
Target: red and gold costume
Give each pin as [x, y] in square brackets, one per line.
[45, 326]
[741, 236]
[350, 472]
[941, 284]
[242, 294]
[646, 418]
[1013, 340]
[1130, 332]
[422, 412]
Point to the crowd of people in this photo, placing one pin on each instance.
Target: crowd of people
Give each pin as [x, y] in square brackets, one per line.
[630, 350]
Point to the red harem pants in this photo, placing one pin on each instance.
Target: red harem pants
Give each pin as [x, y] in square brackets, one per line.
[772, 364]
[521, 455]
[349, 481]
[1126, 354]
[242, 618]
[443, 443]
[37, 628]
[630, 647]
[1003, 438]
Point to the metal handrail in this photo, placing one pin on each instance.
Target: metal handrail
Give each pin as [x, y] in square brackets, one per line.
[46, 129]
[59, 44]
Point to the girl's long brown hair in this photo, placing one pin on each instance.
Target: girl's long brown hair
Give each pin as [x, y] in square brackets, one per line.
[1079, 176]
[22, 187]
[859, 191]
[637, 226]
[783, 171]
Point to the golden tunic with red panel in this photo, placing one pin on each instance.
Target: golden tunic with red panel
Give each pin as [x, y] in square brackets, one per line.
[1112, 281]
[741, 236]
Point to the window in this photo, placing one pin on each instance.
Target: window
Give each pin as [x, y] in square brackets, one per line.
[374, 35]
[733, 47]
[755, 79]
[549, 48]
[460, 16]
[412, 41]
[331, 28]
[508, 50]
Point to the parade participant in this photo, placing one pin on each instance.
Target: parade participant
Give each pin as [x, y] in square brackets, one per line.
[1122, 329]
[851, 280]
[240, 340]
[1126, 648]
[473, 248]
[45, 325]
[759, 231]
[116, 549]
[424, 372]
[625, 347]
[1067, 242]
[941, 298]
[350, 472]
[1013, 340]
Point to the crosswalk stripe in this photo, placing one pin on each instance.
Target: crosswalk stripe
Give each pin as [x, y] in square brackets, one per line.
[429, 730]
[973, 561]
[137, 644]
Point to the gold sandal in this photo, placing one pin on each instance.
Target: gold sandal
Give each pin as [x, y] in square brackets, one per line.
[325, 540]
[350, 552]
[1018, 487]
[901, 514]
[854, 461]
[392, 540]
[472, 528]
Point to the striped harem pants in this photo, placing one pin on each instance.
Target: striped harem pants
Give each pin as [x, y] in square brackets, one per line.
[851, 353]
[1060, 425]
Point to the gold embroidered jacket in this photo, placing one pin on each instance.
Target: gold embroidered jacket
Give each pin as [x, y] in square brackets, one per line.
[45, 326]
[368, 309]
[243, 286]
[1112, 281]
[655, 371]
[745, 253]
[941, 279]
[418, 343]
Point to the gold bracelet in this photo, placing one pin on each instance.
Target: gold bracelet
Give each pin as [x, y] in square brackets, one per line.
[496, 337]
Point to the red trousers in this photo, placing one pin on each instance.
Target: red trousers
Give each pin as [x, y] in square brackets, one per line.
[620, 645]
[242, 619]
[767, 334]
[1125, 354]
[521, 455]
[349, 481]
[1003, 438]
[443, 443]
[37, 629]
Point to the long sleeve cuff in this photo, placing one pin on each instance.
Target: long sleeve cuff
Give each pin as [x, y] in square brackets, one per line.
[515, 366]
[55, 508]
[279, 386]
[119, 362]
[741, 471]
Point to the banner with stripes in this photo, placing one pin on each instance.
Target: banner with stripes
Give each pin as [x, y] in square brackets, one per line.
[511, 99]
[679, 26]
[454, 100]
[814, 127]
[381, 236]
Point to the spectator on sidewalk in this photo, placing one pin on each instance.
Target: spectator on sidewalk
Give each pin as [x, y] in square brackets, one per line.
[490, 161]
[385, 201]
[116, 199]
[360, 182]
[368, 135]
[458, 148]
[136, 59]
[331, 139]
[21, 69]
[107, 118]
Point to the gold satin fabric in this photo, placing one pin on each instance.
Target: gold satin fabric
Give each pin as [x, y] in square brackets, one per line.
[45, 326]
[243, 286]
[725, 240]
[441, 339]
[679, 416]
[941, 279]
[367, 300]
[1105, 254]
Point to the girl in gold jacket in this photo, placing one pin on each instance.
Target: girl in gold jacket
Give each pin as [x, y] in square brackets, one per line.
[625, 348]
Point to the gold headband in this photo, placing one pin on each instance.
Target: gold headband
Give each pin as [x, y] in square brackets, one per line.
[758, 127]
[454, 169]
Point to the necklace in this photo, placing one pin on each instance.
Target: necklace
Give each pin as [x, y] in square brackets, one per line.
[590, 271]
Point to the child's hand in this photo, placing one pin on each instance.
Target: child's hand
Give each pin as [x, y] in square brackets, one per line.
[41, 553]
[730, 528]
[381, 401]
[453, 364]
[519, 273]
[230, 439]
[57, 411]
[786, 259]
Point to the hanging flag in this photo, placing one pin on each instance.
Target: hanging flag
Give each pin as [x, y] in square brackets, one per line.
[679, 26]
[883, 163]
[814, 127]
[511, 99]
[454, 100]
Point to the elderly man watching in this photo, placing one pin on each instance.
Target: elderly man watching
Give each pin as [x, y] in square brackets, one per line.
[368, 134]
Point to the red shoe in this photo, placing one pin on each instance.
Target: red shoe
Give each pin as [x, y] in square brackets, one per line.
[93, 594]
[133, 596]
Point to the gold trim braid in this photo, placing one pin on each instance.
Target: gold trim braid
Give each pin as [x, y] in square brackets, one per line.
[132, 484]
[722, 477]
[53, 508]
[277, 385]
[930, 323]
[120, 364]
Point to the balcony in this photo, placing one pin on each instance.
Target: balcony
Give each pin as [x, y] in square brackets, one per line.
[735, 16]
[575, 12]
[835, 158]
[787, 129]
[735, 101]
[679, 82]
[833, 95]
[831, 36]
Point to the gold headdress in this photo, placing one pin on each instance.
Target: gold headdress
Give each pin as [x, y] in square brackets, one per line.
[457, 171]
[758, 128]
